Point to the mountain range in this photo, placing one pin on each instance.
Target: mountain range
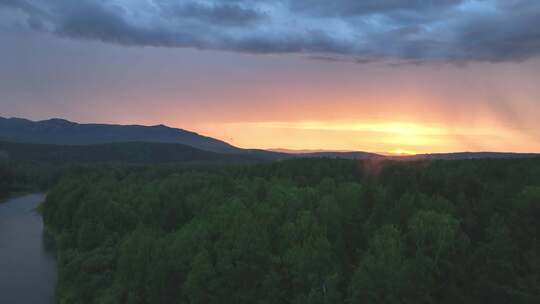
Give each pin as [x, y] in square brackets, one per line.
[126, 152]
[59, 139]
[63, 132]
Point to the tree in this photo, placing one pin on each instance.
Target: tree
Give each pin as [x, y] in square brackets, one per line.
[439, 247]
[309, 266]
[383, 274]
[200, 285]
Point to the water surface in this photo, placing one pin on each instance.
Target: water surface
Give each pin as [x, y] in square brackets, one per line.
[27, 263]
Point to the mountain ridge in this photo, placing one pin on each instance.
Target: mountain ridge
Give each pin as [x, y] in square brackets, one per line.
[64, 132]
[59, 131]
[125, 152]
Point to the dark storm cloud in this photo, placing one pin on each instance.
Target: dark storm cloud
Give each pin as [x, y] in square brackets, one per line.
[312, 41]
[216, 13]
[33, 12]
[359, 31]
[14, 4]
[352, 7]
[512, 35]
[107, 23]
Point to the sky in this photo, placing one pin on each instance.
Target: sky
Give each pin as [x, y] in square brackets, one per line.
[401, 76]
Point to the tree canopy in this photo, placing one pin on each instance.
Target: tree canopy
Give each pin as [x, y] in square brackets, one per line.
[300, 231]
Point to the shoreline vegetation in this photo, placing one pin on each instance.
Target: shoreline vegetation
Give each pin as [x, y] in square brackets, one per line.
[20, 178]
[300, 231]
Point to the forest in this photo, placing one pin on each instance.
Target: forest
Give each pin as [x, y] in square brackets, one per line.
[119, 153]
[300, 231]
[19, 177]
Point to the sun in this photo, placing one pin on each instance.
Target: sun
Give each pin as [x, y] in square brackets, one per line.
[402, 152]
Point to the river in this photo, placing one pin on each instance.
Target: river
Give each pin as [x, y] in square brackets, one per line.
[27, 264]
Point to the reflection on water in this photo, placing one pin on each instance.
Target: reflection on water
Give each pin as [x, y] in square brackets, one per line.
[27, 263]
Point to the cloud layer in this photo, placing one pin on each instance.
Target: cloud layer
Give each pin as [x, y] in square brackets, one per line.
[362, 31]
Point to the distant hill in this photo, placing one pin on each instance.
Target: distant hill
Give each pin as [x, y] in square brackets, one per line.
[64, 132]
[100, 138]
[135, 153]
[307, 151]
[344, 155]
[464, 155]
[433, 156]
[414, 157]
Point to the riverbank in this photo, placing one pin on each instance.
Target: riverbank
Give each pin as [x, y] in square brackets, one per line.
[15, 194]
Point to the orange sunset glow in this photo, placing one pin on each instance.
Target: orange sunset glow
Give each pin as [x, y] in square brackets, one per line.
[278, 100]
[385, 137]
